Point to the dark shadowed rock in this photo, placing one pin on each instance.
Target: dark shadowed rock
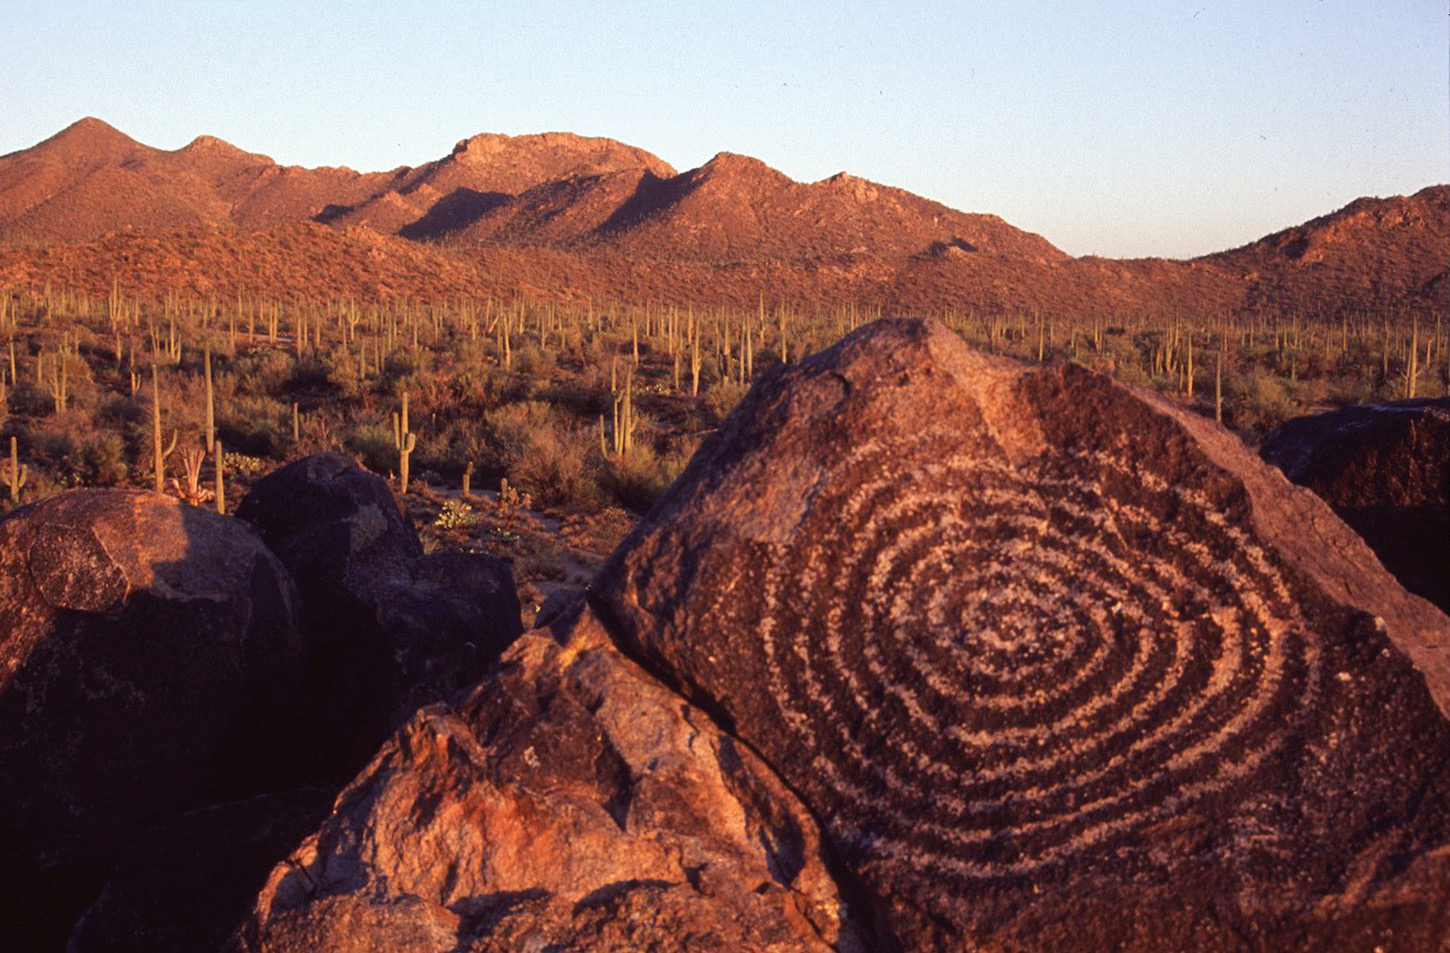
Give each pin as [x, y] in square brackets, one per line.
[389, 629]
[148, 664]
[1059, 665]
[338, 527]
[1385, 469]
[447, 619]
[570, 802]
[191, 880]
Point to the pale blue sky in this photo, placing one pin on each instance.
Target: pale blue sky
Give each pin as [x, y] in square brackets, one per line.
[1115, 128]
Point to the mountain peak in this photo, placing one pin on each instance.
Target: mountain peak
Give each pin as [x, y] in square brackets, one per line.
[735, 162]
[856, 187]
[90, 136]
[209, 144]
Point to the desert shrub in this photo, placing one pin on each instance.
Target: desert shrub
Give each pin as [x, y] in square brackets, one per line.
[116, 410]
[638, 478]
[1259, 402]
[457, 517]
[98, 461]
[50, 446]
[310, 373]
[542, 451]
[256, 425]
[264, 371]
[29, 400]
[722, 397]
[506, 431]
[343, 374]
[530, 359]
[372, 443]
[553, 466]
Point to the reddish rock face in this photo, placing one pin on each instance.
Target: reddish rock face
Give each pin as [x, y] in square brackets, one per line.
[569, 802]
[1059, 665]
[1385, 469]
[388, 628]
[149, 663]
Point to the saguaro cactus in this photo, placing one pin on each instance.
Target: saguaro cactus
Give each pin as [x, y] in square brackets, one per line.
[15, 474]
[221, 489]
[210, 402]
[404, 440]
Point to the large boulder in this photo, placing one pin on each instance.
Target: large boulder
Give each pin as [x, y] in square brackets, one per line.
[1385, 469]
[389, 629]
[569, 802]
[149, 662]
[1059, 665]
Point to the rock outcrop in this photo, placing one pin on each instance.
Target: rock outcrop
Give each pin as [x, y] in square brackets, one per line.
[1059, 665]
[149, 654]
[1385, 469]
[569, 802]
[389, 628]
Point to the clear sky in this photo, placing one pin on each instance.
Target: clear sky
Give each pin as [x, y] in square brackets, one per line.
[1155, 127]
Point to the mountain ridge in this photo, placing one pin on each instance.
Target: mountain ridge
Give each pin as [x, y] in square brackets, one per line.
[621, 218]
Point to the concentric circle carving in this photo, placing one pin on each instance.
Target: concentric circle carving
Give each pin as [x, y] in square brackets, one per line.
[999, 667]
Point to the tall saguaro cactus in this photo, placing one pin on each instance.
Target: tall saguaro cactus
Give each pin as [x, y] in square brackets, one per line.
[210, 403]
[158, 458]
[16, 474]
[404, 440]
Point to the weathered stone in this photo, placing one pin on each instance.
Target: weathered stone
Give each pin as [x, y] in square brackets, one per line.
[569, 802]
[1059, 665]
[148, 664]
[388, 628]
[447, 619]
[1385, 469]
[191, 880]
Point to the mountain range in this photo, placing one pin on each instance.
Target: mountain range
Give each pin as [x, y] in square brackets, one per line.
[569, 216]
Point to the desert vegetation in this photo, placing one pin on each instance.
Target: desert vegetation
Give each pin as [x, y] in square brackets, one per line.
[578, 408]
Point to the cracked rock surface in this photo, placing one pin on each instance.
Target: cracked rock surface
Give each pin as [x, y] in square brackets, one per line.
[568, 802]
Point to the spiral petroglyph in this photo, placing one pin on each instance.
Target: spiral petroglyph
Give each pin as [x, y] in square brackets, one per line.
[1005, 621]
[1057, 665]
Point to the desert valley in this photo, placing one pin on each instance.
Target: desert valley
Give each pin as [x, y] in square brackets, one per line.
[544, 548]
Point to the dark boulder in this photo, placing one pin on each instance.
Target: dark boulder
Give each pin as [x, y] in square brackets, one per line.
[1385, 469]
[149, 661]
[389, 629]
[189, 881]
[1059, 665]
[570, 802]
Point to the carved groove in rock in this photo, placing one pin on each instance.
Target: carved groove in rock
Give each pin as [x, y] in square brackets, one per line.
[934, 612]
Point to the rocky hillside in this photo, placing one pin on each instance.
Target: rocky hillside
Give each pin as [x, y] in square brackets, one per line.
[1389, 251]
[558, 215]
[91, 179]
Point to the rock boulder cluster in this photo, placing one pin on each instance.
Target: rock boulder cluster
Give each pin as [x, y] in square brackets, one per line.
[158, 659]
[926, 651]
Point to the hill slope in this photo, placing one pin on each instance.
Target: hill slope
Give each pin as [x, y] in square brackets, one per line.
[563, 215]
[91, 179]
[1378, 251]
[738, 208]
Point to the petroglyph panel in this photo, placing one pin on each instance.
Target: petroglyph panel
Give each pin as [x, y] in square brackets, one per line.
[994, 675]
[1057, 665]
